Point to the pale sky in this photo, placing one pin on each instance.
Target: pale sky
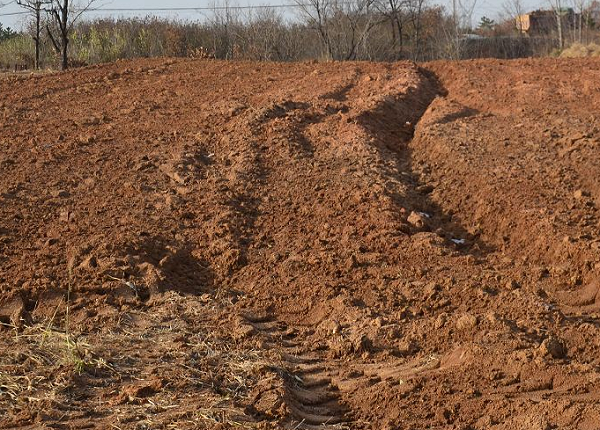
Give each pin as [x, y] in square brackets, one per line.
[489, 8]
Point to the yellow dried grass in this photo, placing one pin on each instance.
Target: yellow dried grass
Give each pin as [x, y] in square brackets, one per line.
[578, 50]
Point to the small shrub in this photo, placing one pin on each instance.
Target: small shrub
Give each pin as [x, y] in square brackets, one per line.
[17, 53]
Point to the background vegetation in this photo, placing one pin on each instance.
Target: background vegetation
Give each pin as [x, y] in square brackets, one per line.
[379, 30]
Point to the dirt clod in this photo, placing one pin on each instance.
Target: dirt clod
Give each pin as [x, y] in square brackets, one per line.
[418, 220]
[134, 393]
[60, 194]
[466, 322]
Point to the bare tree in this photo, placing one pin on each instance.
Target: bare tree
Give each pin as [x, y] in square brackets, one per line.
[318, 14]
[344, 26]
[515, 9]
[394, 12]
[580, 7]
[462, 18]
[263, 35]
[416, 8]
[64, 14]
[35, 7]
[462, 14]
[354, 19]
[404, 18]
[225, 21]
[557, 7]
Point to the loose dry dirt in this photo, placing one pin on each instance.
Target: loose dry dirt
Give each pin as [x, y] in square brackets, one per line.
[201, 244]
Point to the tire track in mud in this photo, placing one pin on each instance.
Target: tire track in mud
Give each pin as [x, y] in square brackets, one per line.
[313, 383]
[310, 393]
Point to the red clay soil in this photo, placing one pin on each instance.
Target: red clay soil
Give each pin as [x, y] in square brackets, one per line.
[200, 244]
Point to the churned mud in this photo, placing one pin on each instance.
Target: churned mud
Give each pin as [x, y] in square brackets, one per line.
[204, 244]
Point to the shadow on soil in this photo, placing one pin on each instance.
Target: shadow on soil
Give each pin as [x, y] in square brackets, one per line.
[180, 270]
[340, 94]
[392, 123]
[463, 113]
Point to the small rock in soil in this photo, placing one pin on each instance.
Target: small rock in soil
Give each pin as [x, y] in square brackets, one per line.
[553, 347]
[417, 220]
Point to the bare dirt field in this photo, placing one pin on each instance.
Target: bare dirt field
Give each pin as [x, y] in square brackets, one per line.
[200, 244]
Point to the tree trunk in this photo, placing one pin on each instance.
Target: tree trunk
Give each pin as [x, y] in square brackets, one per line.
[417, 49]
[400, 37]
[64, 55]
[581, 26]
[64, 31]
[37, 35]
[559, 27]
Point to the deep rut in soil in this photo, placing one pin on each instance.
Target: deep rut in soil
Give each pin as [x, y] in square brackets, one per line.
[314, 383]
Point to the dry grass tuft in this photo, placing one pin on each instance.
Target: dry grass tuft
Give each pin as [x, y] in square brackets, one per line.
[577, 50]
[37, 347]
[206, 374]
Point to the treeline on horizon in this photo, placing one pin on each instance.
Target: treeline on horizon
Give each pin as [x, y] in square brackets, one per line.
[355, 30]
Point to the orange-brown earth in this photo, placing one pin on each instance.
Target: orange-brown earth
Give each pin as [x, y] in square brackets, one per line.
[203, 244]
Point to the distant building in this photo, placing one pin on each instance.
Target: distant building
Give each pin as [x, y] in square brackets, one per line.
[541, 22]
